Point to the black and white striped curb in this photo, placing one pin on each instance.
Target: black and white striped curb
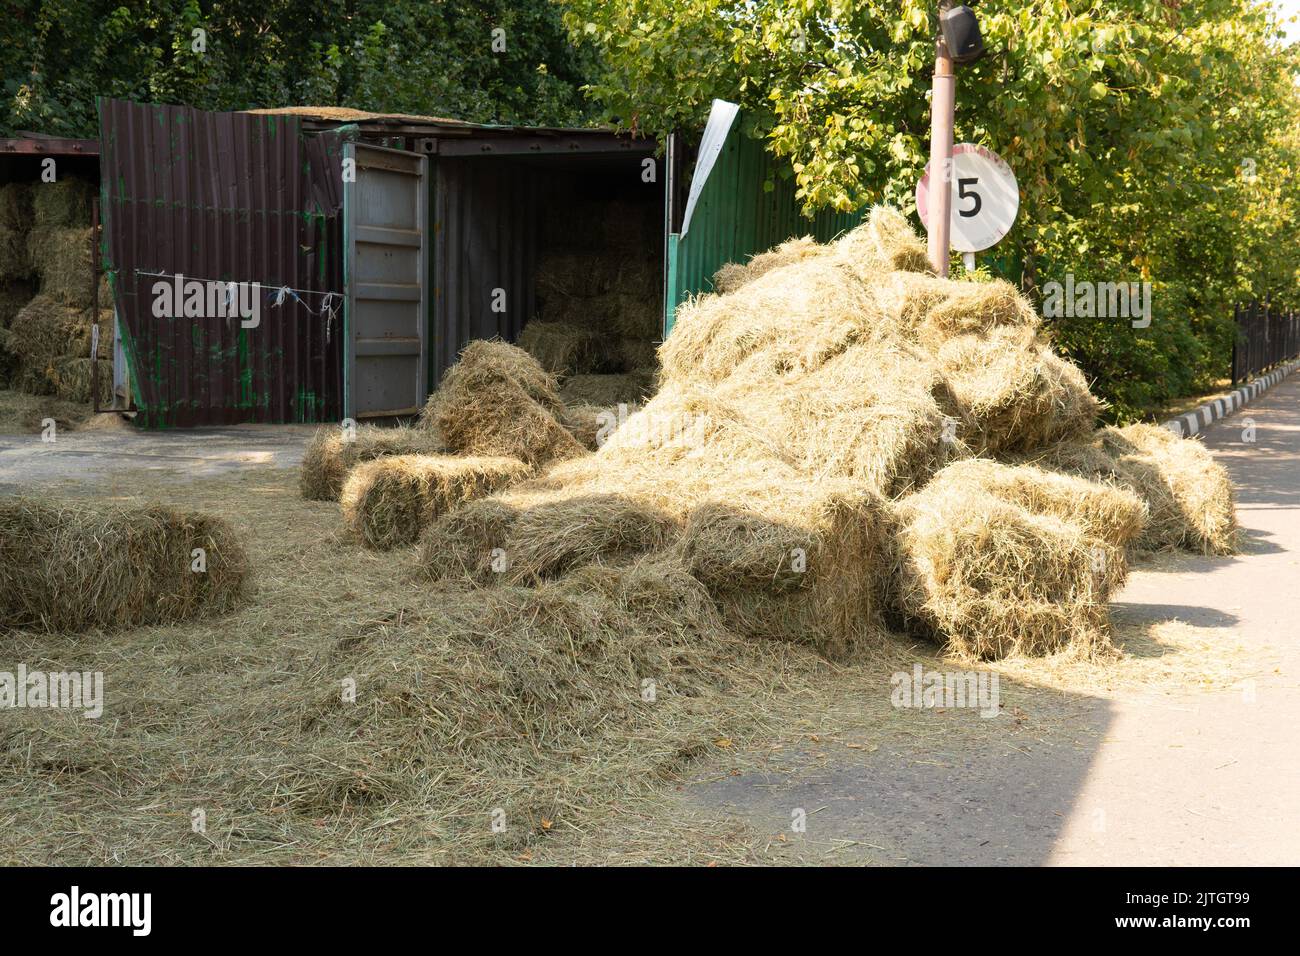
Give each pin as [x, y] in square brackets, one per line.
[1185, 426]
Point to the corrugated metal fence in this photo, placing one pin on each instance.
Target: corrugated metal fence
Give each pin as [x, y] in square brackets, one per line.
[228, 197]
[734, 218]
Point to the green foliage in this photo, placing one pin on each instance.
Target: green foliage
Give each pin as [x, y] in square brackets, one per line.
[409, 56]
[1129, 123]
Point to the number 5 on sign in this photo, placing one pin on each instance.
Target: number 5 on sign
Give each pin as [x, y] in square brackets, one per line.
[985, 197]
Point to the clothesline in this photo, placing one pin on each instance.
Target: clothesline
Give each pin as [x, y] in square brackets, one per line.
[278, 294]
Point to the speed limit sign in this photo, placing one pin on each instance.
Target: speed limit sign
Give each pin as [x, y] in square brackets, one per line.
[985, 197]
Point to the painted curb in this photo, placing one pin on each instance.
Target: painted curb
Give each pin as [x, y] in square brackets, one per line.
[1185, 426]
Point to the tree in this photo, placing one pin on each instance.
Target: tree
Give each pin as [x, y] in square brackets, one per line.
[1129, 124]
[391, 56]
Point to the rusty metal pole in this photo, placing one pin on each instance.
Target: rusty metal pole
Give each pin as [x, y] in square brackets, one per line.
[943, 100]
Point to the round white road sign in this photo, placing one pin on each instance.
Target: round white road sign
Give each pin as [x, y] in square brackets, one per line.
[985, 198]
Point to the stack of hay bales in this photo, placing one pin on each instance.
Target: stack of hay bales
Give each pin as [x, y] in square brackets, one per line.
[45, 296]
[598, 303]
[67, 567]
[838, 441]
[333, 452]
[495, 419]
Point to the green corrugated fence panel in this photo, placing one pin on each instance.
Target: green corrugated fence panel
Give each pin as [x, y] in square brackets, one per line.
[735, 218]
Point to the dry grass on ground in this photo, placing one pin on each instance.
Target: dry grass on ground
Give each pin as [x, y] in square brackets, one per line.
[195, 720]
[22, 414]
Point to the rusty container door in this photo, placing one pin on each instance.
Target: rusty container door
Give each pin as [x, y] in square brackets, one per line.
[385, 208]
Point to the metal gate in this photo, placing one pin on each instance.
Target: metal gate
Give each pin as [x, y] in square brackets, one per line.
[384, 217]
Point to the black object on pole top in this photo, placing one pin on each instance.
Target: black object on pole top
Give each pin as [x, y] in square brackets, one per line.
[961, 31]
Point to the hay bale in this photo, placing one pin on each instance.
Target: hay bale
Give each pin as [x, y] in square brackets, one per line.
[1015, 394]
[333, 452]
[468, 542]
[733, 275]
[69, 567]
[1104, 510]
[42, 334]
[606, 390]
[62, 259]
[74, 380]
[1204, 518]
[1188, 494]
[82, 338]
[492, 358]
[498, 401]
[591, 425]
[63, 204]
[482, 413]
[791, 318]
[576, 274]
[878, 413]
[611, 314]
[387, 502]
[555, 536]
[638, 315]
[885, 242]
[639, 356]
[794, 562]
[15, 226]
[930, 310]
[988, 578]
[564, 349]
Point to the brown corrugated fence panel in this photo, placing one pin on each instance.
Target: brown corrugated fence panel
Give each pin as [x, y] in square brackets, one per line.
[230, 197]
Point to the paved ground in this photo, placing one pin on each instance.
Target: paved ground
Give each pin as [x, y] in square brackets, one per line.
[195, 452]
[1172, 777]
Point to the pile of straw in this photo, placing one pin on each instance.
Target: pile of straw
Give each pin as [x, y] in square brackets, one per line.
[69, 567]
[838, 410]
[497, 401]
